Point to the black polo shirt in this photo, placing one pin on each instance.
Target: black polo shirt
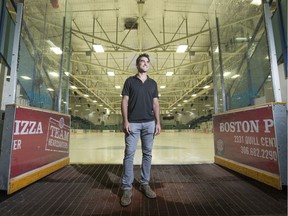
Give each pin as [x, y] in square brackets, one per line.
[140, 103]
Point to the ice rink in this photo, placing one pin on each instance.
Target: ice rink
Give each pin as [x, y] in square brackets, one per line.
[169, 148]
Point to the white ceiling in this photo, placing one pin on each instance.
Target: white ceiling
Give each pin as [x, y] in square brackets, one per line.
[162, 26]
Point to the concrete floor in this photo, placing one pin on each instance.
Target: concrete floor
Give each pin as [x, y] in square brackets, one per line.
[169, 148]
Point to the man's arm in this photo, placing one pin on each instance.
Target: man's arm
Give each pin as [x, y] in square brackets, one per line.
[124, 110]
[156, 109]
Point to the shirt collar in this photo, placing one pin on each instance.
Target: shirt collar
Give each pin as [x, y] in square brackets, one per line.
[135, 76]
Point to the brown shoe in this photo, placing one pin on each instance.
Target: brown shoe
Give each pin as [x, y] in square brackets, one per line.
[147, 191]
[126, 198]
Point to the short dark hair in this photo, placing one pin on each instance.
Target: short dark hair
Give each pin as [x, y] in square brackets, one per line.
[140, 56]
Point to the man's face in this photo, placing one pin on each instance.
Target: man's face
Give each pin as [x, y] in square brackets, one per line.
[143, 65]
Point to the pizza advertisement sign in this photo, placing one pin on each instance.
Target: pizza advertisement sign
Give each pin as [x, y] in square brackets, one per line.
[39, 138]
[247, 137]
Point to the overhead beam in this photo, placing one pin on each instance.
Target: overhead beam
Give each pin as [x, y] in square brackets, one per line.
[180, 11]
[103, 30]
[93, 93]
[74, 31]
[129, 31]
[176, 40]
[189, 91]
[140, 24]
[181, 65]
[101, 66]
[153, 51]
[132, 72]
[139, 50]
[151, 31]
[154, 75]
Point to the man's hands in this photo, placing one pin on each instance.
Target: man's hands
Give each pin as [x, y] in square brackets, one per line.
[126, 127]
[157, 129]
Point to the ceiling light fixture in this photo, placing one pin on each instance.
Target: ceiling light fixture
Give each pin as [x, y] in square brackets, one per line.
[181, 48]
[162, 87]
[206, 87]
[110, 73]
[256, 2]
[73, 87]
[56, 50]
[26, 78]
[54, 74]
[98, 48]
[85, 95]
[194, 95]
[50, 89]
[227, 73]
[242, 39]
[118, 87]
[170, 73]
[235, 76]
[217, 50]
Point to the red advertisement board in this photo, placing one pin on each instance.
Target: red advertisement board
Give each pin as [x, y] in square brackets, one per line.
[247, 137]
[39, 138]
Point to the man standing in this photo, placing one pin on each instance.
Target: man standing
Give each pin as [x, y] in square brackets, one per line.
[141, 118]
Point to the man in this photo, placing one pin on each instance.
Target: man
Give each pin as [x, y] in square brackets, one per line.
[141, 118]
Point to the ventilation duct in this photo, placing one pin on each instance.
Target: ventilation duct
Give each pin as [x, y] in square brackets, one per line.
[131, 23]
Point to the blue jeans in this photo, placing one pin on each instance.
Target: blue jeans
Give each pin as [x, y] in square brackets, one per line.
[146, 132]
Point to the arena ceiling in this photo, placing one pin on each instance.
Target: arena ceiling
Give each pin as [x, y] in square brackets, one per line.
[126, 28]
